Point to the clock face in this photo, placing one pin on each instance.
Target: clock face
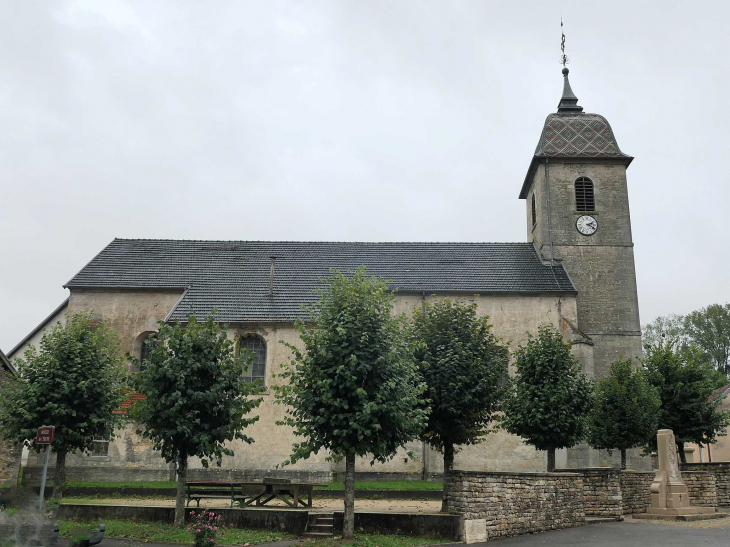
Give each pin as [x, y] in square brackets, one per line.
[587, 225]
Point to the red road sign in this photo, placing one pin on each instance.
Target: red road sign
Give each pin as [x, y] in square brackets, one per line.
[45, 434]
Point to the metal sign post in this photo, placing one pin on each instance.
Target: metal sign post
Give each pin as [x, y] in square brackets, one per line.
[44, 436]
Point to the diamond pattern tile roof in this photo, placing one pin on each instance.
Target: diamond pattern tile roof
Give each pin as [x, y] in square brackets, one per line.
[578, 135]
[233, 276]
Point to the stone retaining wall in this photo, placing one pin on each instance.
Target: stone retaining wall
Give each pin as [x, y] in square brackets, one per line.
[702, 488]
[510, 504]
[9, 463]
[601, 491]
[721, 472]
[636, 491]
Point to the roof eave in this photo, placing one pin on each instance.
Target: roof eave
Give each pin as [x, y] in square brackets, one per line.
[537, 160]
[41, 326]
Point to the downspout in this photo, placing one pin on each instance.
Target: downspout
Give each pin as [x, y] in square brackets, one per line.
[424, 453]
[550, 221]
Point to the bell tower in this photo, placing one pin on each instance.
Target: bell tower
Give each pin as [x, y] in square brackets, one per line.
[578, 215]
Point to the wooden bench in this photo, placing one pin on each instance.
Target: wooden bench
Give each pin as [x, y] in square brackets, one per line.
[215, 490]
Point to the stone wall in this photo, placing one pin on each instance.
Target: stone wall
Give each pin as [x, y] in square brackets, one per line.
[721, 472]
[601, 492]
[702, 488]
[9, 463]
[511, 504]
[636, 491]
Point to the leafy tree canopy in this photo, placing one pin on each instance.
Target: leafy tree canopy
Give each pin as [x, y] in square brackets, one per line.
[353, 388]
[74, 380]
[684, 379]
[549, 397]
[625, 410]
[195, 399]
[464, 367]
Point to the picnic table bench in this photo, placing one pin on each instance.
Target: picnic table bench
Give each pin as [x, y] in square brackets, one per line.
[292, 494]
[214, 490]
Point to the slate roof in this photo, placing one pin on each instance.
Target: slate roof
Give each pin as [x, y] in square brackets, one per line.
[233, 276]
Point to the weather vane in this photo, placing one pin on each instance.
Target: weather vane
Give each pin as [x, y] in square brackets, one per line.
[563, 58]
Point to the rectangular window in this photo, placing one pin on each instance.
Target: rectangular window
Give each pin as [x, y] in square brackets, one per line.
[101, 447]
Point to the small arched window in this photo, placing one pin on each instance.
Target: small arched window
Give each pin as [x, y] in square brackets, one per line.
[143, 347]
[534, 213]
[257, 369]
[584, 199]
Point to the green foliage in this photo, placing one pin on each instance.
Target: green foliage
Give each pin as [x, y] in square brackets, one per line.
[74, 381]
[709, 330]
[625, 409]
[195, 399]
[683, 377]
[464, 367]
[549, 398]
[353, 389]
[666, 327]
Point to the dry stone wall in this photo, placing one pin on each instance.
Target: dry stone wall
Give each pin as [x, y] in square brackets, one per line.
[601, 491]
[702, 488]
[518, 503]
[636, 491]
[721, 472]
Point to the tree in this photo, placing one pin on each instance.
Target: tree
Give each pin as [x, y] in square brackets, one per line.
[549, 398]
[353, 389]
[709, 329]
[625, 410]
[665, 327]
[75, 381]
[684, 379]
[194, 397]
[464, 367]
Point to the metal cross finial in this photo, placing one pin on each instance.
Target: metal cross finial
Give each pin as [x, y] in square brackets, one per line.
[563, 58]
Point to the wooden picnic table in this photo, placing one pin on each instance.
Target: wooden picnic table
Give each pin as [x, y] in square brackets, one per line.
[291, 493]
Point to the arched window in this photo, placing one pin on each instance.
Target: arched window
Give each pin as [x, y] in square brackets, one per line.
[584, 200]
[257, 369]
[534, 213]
[143, 347]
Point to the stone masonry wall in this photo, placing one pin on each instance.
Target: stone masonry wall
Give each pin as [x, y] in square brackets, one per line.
[601, 491]
[636, 491]
[721, 472]
[702, 488]
[518, 503]
[9, 463]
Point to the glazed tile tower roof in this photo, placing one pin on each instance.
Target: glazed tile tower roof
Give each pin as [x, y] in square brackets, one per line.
[234, 276]
[571, 133]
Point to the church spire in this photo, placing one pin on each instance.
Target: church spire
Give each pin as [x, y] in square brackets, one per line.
[568, 102]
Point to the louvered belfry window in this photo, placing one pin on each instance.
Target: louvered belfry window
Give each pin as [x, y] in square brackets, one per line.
[584, 200]
[534, 212]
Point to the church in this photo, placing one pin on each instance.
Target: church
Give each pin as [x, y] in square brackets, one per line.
[575, 271]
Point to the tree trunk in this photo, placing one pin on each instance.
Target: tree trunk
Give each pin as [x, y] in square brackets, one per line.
[182, 472]
[348, 527]
[623, 458]
[680, 449]
[448, 471]
[59, 480]
[551, 460]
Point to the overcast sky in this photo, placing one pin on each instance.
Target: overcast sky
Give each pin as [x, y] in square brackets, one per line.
[347, 120]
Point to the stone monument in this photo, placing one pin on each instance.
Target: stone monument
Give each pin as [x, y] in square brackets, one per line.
[669, 494]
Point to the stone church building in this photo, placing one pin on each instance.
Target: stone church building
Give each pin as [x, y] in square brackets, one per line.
[575, 271]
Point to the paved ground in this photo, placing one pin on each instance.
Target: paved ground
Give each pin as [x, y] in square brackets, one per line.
[622, 534]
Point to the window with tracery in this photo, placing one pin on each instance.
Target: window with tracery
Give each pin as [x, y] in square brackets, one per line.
[257, 367]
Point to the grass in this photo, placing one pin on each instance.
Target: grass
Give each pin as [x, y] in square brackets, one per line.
[165, 533]
[386, 485]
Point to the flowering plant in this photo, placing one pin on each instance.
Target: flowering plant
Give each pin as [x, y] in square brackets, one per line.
[204, 525]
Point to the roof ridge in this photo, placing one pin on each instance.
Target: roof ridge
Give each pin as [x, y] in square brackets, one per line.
[303, 241]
